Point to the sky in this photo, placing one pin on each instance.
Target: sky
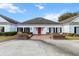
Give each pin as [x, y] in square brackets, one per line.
[26, 11]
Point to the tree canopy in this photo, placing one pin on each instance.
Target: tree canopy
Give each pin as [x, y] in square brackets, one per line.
[66, 16]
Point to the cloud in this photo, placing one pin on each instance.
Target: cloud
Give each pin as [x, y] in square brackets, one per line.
[11, 8]
[39, 6]
[54, 16]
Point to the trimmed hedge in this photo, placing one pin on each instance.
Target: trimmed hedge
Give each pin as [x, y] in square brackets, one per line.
[7, 33]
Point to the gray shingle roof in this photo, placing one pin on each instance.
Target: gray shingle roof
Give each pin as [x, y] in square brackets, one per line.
[9, 19]
[69, 19]
[39, 20]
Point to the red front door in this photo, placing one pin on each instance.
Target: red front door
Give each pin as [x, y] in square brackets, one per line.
[39, 30]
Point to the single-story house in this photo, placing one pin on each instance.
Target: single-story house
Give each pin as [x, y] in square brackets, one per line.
[40, 25]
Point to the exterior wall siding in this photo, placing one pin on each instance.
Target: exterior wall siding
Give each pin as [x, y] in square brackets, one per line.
[9, 28]
[6, 28]
[65, 29]
[71, 28]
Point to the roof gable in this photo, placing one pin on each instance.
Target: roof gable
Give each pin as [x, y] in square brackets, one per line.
[7, 19]
[76, 19]
[71, 19]
[39, 20]
[3, 20]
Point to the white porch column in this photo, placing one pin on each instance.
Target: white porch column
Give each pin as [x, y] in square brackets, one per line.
[45, 30]
[32, 29]
[23, 29]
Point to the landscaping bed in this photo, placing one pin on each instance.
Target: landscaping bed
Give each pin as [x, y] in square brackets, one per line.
[58, 36]
[66, 36]
[23, 36]
[72, 38]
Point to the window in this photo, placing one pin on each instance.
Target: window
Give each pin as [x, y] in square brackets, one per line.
[53, 30]
[26, 29]
[59, 30]
[1, 29]
[19, 29]
[49, 30]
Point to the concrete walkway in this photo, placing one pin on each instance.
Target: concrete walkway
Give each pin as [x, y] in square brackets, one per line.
[41, 37]
[31, 48]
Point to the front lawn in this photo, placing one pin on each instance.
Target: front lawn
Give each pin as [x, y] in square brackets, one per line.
[72, 37]
[5, 38]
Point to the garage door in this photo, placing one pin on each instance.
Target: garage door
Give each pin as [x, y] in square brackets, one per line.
[76, 30]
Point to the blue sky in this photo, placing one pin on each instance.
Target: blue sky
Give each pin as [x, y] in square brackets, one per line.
[25, 11]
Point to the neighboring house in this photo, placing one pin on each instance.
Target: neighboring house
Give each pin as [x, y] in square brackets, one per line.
[40, 25]
[71, 25]
[7, 24]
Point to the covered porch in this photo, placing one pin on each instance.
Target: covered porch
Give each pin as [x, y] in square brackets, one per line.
[40, 30]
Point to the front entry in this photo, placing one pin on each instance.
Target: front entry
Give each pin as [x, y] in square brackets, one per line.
[39, 30]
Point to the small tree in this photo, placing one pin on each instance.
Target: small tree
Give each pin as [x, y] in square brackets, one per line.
[66, 16]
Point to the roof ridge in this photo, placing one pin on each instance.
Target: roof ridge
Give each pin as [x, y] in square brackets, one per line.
[39, 20]
[9, 19]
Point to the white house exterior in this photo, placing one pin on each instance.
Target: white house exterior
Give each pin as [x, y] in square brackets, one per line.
[71, 25]
[40, 25]
[7, 24]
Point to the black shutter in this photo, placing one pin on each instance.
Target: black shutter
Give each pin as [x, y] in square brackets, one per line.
[17, 29]
[56, 30]
[75, 30]
[53, 30]
[60, 30]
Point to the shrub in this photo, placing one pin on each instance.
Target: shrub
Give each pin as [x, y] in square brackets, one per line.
[58, 36]
[7, 33]
[76, 35]
[70, 34]
[22, 36]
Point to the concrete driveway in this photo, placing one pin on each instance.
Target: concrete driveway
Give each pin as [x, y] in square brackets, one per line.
[31, 48]
[69, 46]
